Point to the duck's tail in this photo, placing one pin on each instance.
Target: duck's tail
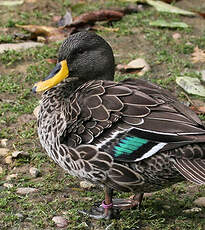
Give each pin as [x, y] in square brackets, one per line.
[189, 160]
[192, 170]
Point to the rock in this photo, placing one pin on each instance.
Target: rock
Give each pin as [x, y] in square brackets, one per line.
[82, 225]
[1, 170]
[167, 207]
[25, 191]
[16, 153]
[8, 185]
[86, 184]
[18, 46]
[193, 188]
[34, 172]
[10, 177]
[4, 142]
[192, 210]
[86, 198]
[200, 202]
[176, 36]
[148, 194]
[4, 151]
[20, 216]
[60, 221]
[8, 160]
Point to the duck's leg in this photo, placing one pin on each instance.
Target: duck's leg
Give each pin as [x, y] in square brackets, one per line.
[110, 207]
[107, 203]
[104, 210]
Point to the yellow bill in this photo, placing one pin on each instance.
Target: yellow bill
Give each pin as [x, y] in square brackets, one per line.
[58, 74]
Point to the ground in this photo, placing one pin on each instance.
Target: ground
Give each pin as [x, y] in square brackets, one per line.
[58, 193]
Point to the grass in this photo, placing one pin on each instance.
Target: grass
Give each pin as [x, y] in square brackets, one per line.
[59, 194]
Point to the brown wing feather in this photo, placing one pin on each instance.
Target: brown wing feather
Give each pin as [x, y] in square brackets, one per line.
[132, 103]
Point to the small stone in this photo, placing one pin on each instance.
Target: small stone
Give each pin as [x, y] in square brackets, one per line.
[86, 198]
[167, 207]
[86, 184]
[176, 36]
[41, 39]
[83, 225]
[19, 216]
[200, 202]
[34, 172]
[10, 177]
[8, 160]
[25, 191]
[4, 142]
[193, 188]
[60, 221]
[1, 170]
[4, 151]
[16, 153]
[8, 185]
[192, 210]
[148, 194]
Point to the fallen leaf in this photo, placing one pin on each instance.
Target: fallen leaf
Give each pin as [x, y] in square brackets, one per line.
[49, 32]
[99, 15]
[18, 46]
[138, 66]
[164, 7]
[198, 110]
[11, 3]
[191, 85]
[198, 55]
[163, 23]
[202, 14]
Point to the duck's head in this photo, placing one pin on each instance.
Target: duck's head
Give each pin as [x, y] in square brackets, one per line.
[82, 57]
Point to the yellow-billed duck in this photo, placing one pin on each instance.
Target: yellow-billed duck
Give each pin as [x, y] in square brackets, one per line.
[130, 136]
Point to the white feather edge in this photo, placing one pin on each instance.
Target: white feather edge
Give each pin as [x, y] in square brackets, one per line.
[151, 152]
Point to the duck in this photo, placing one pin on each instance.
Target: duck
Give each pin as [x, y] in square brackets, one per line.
[128, 136]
